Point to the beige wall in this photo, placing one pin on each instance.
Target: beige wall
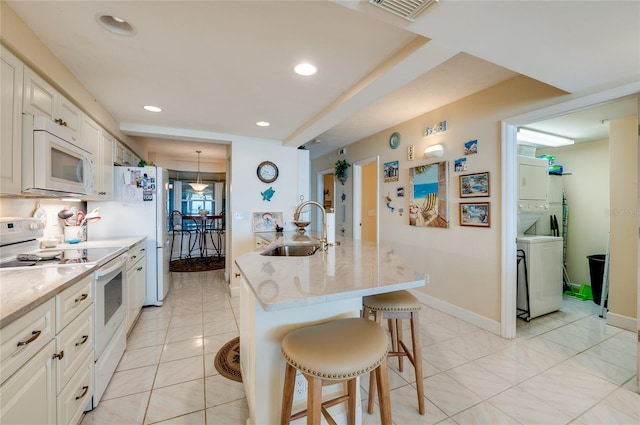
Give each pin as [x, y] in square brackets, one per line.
[369, 199]
[24, 43]
[623, 277]
[586, 186]
[463, 263]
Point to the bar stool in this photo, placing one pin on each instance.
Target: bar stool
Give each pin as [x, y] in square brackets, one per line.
[396, 306]
[330, 353]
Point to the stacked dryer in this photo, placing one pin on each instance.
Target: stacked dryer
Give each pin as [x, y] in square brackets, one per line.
[540, 256]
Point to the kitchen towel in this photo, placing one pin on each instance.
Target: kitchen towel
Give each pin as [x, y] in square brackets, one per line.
[331, 227]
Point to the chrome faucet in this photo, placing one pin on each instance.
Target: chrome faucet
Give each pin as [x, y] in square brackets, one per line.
[296, 217]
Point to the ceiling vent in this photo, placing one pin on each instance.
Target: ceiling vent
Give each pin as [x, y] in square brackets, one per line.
[408, 9]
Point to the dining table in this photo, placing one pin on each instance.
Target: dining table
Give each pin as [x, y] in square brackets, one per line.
[204, 225]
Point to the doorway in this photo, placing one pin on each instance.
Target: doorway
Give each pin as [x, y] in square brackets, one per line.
[509, 190]
[365, 200]
[326, 190]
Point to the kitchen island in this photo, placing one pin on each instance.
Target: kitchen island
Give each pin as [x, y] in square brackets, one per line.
[279, 294]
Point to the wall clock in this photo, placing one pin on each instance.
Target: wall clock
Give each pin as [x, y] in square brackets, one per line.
[267, 172]
[394, 140]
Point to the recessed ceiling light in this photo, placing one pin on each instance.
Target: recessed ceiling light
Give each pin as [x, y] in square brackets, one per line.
[152, 108]
[116, 25]
[305, 69]
[263, 124]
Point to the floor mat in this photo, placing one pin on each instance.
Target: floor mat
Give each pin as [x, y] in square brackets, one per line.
[197, 264]
[227, 360]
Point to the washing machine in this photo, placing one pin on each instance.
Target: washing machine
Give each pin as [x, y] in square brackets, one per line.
[542, 257]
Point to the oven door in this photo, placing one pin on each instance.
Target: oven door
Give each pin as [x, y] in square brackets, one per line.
[61, 166]
[109, 301]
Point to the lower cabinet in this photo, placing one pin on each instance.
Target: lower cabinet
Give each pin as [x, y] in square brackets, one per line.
[136, 282]
[48, 376]
[29, 395]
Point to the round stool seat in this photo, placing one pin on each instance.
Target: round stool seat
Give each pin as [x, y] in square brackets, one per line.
[336, 350]
[392, 301]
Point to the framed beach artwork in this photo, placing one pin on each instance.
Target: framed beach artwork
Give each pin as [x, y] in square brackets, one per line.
[474, 185]
[267, 221]
[475, 214]
[428, 195]
[391, 171]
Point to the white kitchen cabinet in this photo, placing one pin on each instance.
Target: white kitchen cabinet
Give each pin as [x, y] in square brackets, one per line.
[103, 168]
[11, 75]
[136, 282]
[40, 98]
[29, 395]
[77, 394]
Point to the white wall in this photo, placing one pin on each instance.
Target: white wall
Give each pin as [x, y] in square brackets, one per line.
[586, 186]
[245, 188]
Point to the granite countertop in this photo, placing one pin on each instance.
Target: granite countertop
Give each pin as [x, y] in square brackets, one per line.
[24, 288]
[352, 269]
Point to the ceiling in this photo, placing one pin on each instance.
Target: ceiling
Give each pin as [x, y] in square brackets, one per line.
[218, 67]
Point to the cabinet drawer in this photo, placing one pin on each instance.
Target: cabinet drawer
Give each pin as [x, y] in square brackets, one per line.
[75, 342]
[24, 337]
[72, 301]
[76, 395]
[136, 252]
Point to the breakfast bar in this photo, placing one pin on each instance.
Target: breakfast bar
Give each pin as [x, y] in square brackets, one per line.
[281, 293]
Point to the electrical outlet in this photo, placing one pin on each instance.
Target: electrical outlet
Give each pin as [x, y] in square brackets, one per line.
[300, 391]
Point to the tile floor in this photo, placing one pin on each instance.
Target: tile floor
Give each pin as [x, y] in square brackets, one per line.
[568, 367]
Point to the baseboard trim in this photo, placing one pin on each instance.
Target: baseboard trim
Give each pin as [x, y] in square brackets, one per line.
[489, 325]
[620, 321]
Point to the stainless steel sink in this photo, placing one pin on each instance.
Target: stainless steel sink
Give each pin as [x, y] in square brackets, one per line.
[301, 250]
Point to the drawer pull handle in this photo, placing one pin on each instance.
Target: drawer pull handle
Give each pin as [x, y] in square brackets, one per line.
[84, 392]
[139, 269]
[133, 257]
[81, 298]
[34, 336]
[84, 339]
[58, 356]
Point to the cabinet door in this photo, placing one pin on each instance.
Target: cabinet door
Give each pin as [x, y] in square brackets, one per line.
[130, 294]
[70, 115]
[11, 75]
[39, 96]
[29, 396]
[76, 395]
[105, 190]
[73, 301]
[141, 284]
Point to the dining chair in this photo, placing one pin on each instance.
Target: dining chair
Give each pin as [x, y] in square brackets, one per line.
[215, 229]
[178, 228]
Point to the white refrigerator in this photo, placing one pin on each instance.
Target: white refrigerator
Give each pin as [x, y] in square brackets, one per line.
[139, 208]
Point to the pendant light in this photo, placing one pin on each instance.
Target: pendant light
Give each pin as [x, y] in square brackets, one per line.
[198, 186]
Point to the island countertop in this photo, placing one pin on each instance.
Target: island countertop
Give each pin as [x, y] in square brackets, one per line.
[353, 268]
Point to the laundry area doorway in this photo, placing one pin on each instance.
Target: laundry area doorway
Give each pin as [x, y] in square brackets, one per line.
[601, 210]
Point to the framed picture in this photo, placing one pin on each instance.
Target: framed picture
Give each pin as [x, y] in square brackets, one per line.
[474, 185]
[428, 195]
[475, 214]
[267, 221]
[391, 171]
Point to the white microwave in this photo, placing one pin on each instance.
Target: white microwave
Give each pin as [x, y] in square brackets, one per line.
[53, 163]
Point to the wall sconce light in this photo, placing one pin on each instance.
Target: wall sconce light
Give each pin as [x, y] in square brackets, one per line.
[434, 151]
[536, 138]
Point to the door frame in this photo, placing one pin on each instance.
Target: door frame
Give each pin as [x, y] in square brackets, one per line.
[357, 196]
[509, 190]
[320, 192]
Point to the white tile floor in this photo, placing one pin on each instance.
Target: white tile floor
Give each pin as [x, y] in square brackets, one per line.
[568, 367]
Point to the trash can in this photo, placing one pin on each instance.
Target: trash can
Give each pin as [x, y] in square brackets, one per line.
[596, 271]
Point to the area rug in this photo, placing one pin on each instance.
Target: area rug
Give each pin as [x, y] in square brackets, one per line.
[227, 360]
[197, 264]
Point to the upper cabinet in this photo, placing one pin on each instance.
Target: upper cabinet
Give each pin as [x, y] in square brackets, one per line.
[11, 72]
[40, 98]
[126, 157]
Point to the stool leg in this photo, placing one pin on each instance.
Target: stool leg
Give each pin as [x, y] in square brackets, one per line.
[314, 400]
[417, 358]
[393, 330]
[377, 317]
[287, 394]
[352, 393]
[399, 338]
[384, 398]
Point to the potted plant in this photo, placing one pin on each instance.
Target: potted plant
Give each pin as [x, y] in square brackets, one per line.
[341, 170]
